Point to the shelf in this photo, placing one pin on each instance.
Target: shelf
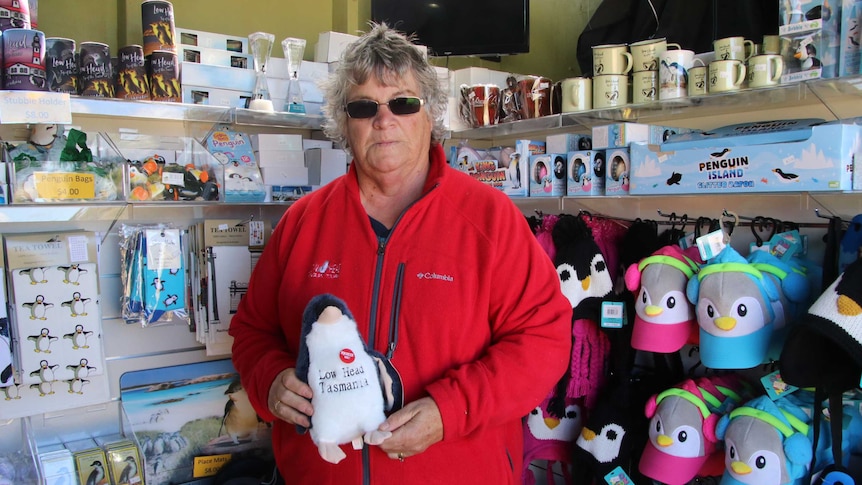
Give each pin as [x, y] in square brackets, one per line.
[830, 99]
[157, 110]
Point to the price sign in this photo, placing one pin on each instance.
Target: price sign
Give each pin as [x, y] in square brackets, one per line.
[65, 185]
[207, 466]
[35, 107]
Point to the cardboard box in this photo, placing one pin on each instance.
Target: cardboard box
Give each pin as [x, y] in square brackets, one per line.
[547, 175]
[810, 34]
[330, 45]
[821, 159]
[276, 141]
[585, 173]
[850, 60]
[285, 175]
[310, 92]
[213, 40]
[221, 77]
[308, 143]
[617, 171]
[308, 70]
[517, 180]
[616, 135]
[215, 97]
[567, 142]
[325, 164]
[281, 158]
[215, 57]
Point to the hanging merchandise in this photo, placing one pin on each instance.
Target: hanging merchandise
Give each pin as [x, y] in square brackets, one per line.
[57, 332]
[851, 243]
[153, 269]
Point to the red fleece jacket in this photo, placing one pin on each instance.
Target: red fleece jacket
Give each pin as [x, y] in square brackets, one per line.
[482, 327]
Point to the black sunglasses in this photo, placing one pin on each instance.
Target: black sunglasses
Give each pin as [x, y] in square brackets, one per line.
[366, 108]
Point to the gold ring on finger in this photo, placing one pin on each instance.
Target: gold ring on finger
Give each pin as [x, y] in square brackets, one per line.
[401, 457]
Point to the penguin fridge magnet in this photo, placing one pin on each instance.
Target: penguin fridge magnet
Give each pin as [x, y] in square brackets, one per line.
[344, 374]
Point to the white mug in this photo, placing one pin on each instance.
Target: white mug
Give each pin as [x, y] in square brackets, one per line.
[673, 73]
[765, 70]
[645, 53]
[610, 90]
[728, 48]
[577, 94]
[644, 86]
[726, 75]
[611, 59]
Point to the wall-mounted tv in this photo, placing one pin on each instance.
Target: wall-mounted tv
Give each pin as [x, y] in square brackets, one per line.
[460, 27]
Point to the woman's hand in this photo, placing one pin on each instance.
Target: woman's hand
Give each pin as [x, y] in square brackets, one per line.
[414, 428]
[290, 398]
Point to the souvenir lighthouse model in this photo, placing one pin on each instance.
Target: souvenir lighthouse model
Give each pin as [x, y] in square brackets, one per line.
[261, 49]
[294, 49]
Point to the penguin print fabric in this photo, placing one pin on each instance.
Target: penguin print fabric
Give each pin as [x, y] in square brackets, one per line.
[353, 386]
[58, 325]
[154, 276]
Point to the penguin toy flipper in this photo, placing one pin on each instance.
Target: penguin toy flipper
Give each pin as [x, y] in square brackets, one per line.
[310, 315]
[390, 382]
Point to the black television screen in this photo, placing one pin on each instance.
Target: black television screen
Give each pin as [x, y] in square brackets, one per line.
[460, 27]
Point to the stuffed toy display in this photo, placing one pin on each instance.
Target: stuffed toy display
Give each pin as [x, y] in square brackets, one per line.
[682, 441]
[353, 386]
[766, 443]
[665, 319]
[736, 311]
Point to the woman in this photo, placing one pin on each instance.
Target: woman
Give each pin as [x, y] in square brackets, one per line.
[440, 272]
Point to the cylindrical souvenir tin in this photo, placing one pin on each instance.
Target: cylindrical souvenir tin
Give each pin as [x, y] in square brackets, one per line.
[61, 65]
[14, 14]
[94, 70]
[34, 13]
[157, 21]
[24, 60]
[132, 82]
[164, 71]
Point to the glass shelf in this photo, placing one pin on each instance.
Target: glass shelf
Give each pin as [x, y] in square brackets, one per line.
[156, 110]
[830, 99]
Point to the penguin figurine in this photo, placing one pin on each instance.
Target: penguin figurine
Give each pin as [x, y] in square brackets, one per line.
[240, 419]
[38, 308]
[42, 341]
[353, 385]
[129, 472]
[79, 337]
[77, 304]
[72, 274]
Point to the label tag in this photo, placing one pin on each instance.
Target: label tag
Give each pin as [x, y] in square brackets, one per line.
[65, 185]
[618, 477]
[613, 314]
[173, 178]
[207, 466]
[709, 245]
[163, 249]
[776, 387]
[35, 107]
[255, 234]
[785, 245]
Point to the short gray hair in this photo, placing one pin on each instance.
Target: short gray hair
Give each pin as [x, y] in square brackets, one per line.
[388, 55]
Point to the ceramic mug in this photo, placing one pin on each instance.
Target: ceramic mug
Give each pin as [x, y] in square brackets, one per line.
[577, 94]
[535, 96]
[698, 77]
[673, 73]
[771, 44]
[726, 75]
[728, 48]
[481, 101]
[645, 53]
[611, 59]
[764, 70]
[610, 90]
[644, 86]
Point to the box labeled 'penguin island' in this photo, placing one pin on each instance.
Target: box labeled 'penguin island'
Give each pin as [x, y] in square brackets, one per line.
[811, 158]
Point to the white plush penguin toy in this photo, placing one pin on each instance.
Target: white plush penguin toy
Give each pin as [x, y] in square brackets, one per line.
[353, 386]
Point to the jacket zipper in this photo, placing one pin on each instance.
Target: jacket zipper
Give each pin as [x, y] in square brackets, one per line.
[396, 311]
[372, 321]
